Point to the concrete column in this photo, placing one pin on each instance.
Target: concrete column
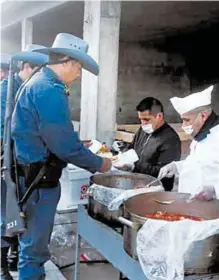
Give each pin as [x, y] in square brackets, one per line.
[26, 33]
[108, 77]
[99, 95]
[89, 82]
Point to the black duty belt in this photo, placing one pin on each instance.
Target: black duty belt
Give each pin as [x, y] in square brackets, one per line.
[40, 175]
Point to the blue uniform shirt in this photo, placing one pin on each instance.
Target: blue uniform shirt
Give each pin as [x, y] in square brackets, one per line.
[3, 88]
[41, 123]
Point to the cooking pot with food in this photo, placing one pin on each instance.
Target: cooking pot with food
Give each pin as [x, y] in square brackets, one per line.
[126, 181]
[202, 256]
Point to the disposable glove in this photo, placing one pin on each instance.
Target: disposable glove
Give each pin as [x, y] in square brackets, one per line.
[168, 171]
[205, 193]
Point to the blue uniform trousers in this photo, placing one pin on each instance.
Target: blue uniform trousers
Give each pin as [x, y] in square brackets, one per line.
[33, 252]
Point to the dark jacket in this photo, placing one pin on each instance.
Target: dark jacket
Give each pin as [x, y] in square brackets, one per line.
[212, 121]
[156, 150]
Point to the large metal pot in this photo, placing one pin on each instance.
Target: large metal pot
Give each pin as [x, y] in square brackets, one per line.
[202, 256]
[121, 181]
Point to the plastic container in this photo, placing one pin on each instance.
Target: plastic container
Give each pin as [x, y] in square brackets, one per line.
[74, 184]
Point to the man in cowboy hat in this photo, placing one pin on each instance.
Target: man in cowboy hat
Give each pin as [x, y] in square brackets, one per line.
[199, 172]
[43, 134]
[29, 60]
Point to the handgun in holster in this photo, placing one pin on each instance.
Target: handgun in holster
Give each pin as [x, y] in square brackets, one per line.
[40, 175]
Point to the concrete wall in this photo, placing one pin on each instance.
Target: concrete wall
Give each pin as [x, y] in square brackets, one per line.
[215, 94]
[11, 39]
[75, 100]
[141, 74]
[146, 72]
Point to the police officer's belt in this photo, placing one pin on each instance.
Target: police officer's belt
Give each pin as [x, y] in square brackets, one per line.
[48, 172]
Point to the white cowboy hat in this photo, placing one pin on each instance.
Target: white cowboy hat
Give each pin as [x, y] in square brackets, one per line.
[72, 47]
[29, 55]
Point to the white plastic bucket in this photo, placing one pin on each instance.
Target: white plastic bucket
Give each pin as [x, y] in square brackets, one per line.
[74, 184]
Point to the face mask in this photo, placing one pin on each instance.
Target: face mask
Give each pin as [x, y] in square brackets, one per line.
[148, 128]
[189, 129]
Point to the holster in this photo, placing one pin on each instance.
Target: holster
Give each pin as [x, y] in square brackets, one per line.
[50, 178]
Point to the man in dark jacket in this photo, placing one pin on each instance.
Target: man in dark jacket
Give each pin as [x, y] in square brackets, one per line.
[156, 143]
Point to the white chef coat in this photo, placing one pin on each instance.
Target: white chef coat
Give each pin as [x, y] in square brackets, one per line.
[201, 167]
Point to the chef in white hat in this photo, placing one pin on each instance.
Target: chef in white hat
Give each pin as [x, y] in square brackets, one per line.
[199, 172]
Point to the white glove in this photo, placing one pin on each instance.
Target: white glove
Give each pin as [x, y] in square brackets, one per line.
[205, 193]
[125, 167]
[168, 171]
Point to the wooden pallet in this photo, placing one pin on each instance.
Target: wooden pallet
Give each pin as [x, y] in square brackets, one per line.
[125, 132]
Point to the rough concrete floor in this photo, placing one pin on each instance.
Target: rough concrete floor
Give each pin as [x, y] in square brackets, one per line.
[93, 272]
[52, 272]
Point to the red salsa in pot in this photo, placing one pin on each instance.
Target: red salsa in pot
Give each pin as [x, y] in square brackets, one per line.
[159, 215]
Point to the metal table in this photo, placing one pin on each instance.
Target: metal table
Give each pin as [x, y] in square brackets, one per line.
[110, 244]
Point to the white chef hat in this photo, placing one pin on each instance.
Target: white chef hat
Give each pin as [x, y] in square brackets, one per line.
[192, 101]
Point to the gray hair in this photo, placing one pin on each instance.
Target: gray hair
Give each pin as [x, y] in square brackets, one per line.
[202, 109]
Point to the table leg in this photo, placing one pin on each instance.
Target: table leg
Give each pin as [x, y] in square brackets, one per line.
[77, 257]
